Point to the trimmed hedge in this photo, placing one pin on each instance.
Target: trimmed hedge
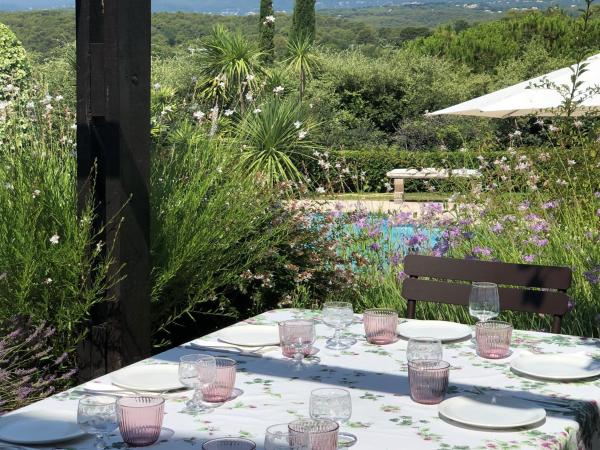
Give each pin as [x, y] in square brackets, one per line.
[373, 164]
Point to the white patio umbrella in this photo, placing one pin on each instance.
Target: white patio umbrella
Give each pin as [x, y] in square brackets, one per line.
[524, 98]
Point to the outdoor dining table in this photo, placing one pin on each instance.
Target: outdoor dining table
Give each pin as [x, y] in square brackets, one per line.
[272, 390]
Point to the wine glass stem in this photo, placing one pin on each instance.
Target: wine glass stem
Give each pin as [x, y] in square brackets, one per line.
[100, 445]
[198, 396]
[337, 335]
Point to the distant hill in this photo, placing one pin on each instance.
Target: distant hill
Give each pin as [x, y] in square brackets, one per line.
[243, 7]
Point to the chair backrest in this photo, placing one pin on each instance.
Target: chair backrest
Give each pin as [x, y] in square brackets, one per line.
[522, 287]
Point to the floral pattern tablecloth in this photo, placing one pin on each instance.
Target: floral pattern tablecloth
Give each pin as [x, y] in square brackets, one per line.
[384, 417]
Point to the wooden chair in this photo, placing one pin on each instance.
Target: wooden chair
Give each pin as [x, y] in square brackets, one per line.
[433, 279]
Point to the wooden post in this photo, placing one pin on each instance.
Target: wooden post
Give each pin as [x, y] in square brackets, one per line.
[113, 167]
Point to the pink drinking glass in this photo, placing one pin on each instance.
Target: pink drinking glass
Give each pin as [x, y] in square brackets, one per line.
[321, 434]
[220, 390]
[297, 338]
[380, 326]
[229, 444]
[140, 419]
[493, 338]
[428, 380]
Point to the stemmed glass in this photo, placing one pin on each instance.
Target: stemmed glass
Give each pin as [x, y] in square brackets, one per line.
[338, 315]
[424, 348]
[197, 372]
[297, 339]
[484, 301]
[333, 404]
[98, 415]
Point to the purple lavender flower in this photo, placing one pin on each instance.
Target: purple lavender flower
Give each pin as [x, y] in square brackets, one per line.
[593, 275]
[375, 246]
[571, 304]
[482, 251]
[524, 206]
[528, 258]
[550, 205]
[497, 227]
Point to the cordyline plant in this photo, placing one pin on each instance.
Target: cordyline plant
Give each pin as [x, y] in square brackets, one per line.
[28, 371]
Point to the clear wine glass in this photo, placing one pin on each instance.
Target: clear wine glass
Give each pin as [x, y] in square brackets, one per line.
[484, 301]
[333, 404]
[338, 315]
[297, 339]
[424, 348]
[197, 371]
[97, 415]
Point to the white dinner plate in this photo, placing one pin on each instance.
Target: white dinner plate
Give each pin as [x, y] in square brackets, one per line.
[250, 335]
[439, 329]
[148, 377]
[491, 412]
[39, 427]
[557, 366]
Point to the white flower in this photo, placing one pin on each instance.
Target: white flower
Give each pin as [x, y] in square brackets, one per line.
[561, 182]
[540, 122]
[219, 170]
[54, 239]
[257, 111]
[316, 153]
[302, 134]
[269, 19]
[58, 98]
[249, 96]
[462, 150]
[297, 124]
[47, 280]
[199, 115]
[222, 84]
[250, 77]
[229, 112]
[49, 108]
[320, 190]
[36, 193]
[73, 126]
[278, 90]
[30, 105]
[9, 186]
[571, 162]
[156, 86]
[99, 245]
[578, 124]
[552, 128]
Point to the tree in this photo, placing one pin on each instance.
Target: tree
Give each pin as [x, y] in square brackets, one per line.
[229, 67]
[14, 67]
[302, 59]
[304, 19]
[266, 30]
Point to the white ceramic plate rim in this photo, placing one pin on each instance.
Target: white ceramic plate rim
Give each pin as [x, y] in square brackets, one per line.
[41, 414]
[458, 330]
[171, 383]
[563, 359]
[264, 335]
[537, 415]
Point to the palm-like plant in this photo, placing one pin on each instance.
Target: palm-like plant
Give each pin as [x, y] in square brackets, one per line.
[302, 59]
[229, 66]
[271, 138]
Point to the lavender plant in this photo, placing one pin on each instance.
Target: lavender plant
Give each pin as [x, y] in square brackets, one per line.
[29, 367]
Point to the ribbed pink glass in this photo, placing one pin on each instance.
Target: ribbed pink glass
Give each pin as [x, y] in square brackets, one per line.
[380, 326]
[321, 434]
[300, 333]
[220, 390]
[229, 444]
[493, 338]
[140, 419]
[428, 380]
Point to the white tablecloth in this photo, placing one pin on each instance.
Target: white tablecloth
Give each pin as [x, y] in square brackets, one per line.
[384, 417]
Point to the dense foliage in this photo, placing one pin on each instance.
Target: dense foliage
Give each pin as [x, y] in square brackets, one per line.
[14, 67]
[304, 20]
[267, 30]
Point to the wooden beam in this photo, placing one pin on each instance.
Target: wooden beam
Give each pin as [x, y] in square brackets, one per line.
[113, 159]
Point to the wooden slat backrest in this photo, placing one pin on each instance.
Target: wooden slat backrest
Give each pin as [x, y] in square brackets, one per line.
[528, 275]
[446, 280]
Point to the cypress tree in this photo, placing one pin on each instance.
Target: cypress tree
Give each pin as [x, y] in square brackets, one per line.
[304, 19]
[266, 28]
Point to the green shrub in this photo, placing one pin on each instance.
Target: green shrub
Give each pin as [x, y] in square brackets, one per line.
[14, 67]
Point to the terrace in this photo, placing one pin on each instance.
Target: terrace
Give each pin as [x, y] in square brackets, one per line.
[185, 249]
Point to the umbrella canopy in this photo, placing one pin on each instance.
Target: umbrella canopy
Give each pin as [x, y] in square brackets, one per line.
[525, 98]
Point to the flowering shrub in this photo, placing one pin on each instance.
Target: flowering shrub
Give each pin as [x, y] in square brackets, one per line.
[29, 370]
[14, 67]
